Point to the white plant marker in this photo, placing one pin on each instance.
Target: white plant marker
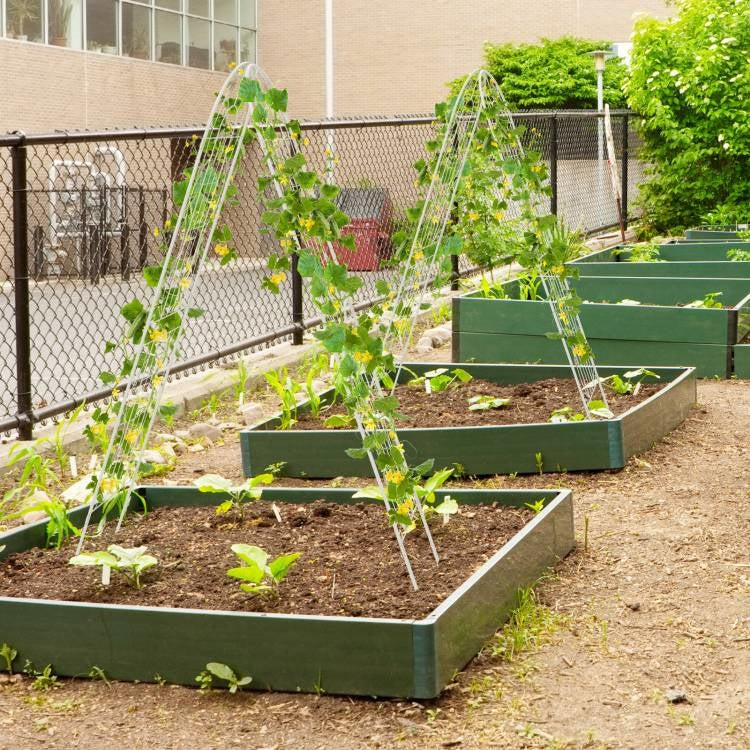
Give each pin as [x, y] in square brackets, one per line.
[73, 467]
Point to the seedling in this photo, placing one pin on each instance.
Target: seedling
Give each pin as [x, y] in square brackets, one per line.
[286, 389]
[630, 382]
[438, 380]
[44, 680]
[539, 461]
[645, 253]
[710, 301]
[259, 576]
[243, 376]
[735, 253]
[566, 414]
[537, 506]
[131, 562]
[484, 403]
[339, 421]
[59, 526]
[529, 285]
[250, 490]
[489, 290]
[37, 472]
[216, 669]
[599, 409]
[8, 655]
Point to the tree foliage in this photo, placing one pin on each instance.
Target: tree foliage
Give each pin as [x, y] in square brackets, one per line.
[690, 81]
[554, 74]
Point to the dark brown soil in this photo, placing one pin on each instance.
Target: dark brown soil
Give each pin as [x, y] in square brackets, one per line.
[349, 564]
[529, 403]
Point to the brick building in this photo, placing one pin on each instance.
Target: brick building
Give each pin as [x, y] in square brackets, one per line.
[72, 64]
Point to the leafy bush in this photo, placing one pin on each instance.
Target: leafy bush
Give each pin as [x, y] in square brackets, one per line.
[554, 74]
[689, 82]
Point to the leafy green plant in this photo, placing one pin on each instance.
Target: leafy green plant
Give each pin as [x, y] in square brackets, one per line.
[689, 83]
[537, 506]
[37, 471]
[243, 377]
[484, 403]
[287, 390]
[736, 253]
[257, 573]
[599, 409]
[8, 654]
[630, 382]
[435, 381]
[339, 421]
[249, 491]
[214, 670]
[709, 302]
[131, 562]
[490, 290]
[645, 252]
[529, 284]
[59, 526]
[539, 461]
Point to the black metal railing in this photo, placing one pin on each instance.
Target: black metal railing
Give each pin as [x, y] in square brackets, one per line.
[79, 212]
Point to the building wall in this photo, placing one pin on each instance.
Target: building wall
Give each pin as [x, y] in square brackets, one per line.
[393, 56]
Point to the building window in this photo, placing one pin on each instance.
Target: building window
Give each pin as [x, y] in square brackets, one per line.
[207, 34]
[101, 26]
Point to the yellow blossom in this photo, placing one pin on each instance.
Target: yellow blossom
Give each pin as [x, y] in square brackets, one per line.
[473, 216]
[558, 270]
[419, 255]
[369, 424]
[108, 484]
[307, 223]
[563, 317]
[363, 357]
[286, 244]
[294, 136]
[283, 180]
[498, 215]
[168, 224]
[194, 137]
[160, 363]
[392, 434]
[156, 231]
[221, 250]
[184, 283]
[231, 65]
[98, 429]
[400, 448]
[579, 350]
[131, 436]
[415, 286]
[157, 334]
[115, 393]
[329, 152]
[401, 324]
[395, 476]
[305, 141]
[157, 381]
[278, 278]
[405, 507]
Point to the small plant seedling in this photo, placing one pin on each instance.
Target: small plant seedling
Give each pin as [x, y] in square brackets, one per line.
[44, 680]
[131, 562]
[438, 380]
[489, 290]
[537, 506]
[529, 284]
[214, 669]
[599, 409]
[97, 673]
[646, 253]
[258, 575]
[630, 382]
[566, 414]
[442, 314]
[286, 389]
[710, 301]
[8, 655]
[539, 461]
[240, 387]
[339, 421]
[248, 491]
[59, 526]
[484, 403]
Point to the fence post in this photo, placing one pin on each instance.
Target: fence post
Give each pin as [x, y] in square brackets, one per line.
[21, 288]
[297, 311]
[625, 157]
[553, 163]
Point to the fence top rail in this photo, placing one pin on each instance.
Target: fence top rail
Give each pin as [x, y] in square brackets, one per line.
[61, 137]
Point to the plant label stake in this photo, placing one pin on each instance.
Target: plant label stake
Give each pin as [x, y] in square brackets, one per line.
[612, 162]
[73, 467]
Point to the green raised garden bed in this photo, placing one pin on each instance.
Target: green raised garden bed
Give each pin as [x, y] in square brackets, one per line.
[700, 250]
[742, 361]
[609, 263]
[712, 233]
[358, 656]
[502, 449]
[513, 330]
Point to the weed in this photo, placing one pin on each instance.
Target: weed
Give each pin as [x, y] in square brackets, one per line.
[537, 506]
[59, 526]
[438, 380]
[286, 389]
[8, 655]
[97, 673]
[243, 376]
[215, 669]
[442, 314]
[44, 680]
[710, 301]
[539, 461]
[735, 253]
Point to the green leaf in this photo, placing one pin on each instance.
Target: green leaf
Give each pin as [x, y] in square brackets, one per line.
[222, 671]
[213, 483]
[372, 492]
[281, 566]
[249, 90]
[152, 274]
[132, 310]
[251, 554]
[336, 421]
[277, 99]
[195, 312]
[250, 572]
[107, 377]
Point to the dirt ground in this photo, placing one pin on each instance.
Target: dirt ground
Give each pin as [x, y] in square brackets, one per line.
[659, 601]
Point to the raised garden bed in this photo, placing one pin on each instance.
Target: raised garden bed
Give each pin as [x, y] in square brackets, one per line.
[655, 332]
[379, 656]
[712, 233]
[486, 449]
[742, 360]
[612, 263]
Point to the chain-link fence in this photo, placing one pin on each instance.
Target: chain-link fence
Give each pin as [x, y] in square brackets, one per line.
[80, 216]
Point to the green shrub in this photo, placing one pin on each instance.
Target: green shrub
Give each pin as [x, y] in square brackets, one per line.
[690, 83]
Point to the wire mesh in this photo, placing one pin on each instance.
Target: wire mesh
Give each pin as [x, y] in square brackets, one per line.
[95, 199]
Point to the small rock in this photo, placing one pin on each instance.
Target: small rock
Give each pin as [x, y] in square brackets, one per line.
[197, 448]
[674, 695]
[167, 450]
[226, 426]
[252, 412]
[33, 516]
[204, 430]
[424, 345]
[182, 434]
[152, 457]
[439, 336]
[165, 437]
[635, 606]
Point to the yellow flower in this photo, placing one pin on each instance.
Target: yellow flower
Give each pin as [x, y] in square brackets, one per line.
[329, 152]
[115, 393]
[194, 137]
[157, 334]
[579, 350]
[168, 224]
[228, 149]
[363, 357]
[369, 424]
[221, 250]
[336, 160]
[415, 286]
[278, 278]
[401, 324]
[419, 255]
[160, 363]
[305, 141]
[558, 270]
[400, 448]
[108, 484]
[283, 180]
[294, 136]
[285, 243]
[99, 429]
[231, 65]
[212, 205]
[473, 215]
[564, 317]
[131, 436]
[157, 380]
[331, 289]
[499, 215]
[404, 508]
[394, 476]
[495, 144]
[307, 223]
[156, 231]
[392, 434]
[184, 283]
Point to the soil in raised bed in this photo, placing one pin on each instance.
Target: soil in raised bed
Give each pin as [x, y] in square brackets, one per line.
[529, 403]
[349, 565]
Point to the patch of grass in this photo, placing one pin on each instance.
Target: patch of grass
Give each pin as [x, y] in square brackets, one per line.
[530, 626]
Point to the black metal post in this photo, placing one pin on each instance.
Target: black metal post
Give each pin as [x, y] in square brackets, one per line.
[625, 157]
[297, 311]
[125, 252]
[142, 230]
[21, 289]
[553, 163]
[38, 242]
[455, 272]
[84, 252]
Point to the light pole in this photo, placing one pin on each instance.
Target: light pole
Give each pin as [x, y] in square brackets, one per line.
[329, 82]
[599, 56]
